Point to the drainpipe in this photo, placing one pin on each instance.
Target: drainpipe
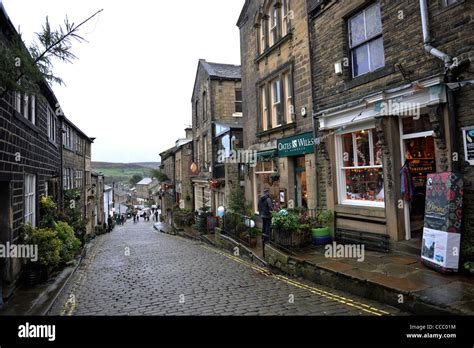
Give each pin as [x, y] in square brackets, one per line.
[425, 24]
[450, 77]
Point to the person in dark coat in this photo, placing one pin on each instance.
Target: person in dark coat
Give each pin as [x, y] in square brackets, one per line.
[265, 208]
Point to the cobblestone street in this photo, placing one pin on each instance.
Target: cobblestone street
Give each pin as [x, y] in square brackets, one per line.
[136, 270]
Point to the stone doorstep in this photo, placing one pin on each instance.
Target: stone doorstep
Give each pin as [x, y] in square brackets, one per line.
[420, 284]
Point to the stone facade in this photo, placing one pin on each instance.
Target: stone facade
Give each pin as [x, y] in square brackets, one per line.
[168, 198]
[216, 115]
[408, 73]
[96, 217]
[31, 157]
[184, 188]
[76, 165]
[285, 58]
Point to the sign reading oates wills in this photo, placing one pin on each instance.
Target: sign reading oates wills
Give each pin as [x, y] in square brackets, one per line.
[443, 217]
[297, 145]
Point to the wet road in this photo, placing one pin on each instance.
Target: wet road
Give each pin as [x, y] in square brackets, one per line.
[136, 270]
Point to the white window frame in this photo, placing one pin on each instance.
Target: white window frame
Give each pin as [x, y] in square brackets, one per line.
[289, 110]
[341, 175]
[367, 41]
[263, 37]
[25, 105]
[273, 25]
[52, 133]
[276, 85]
[264, 106]
[205, 152]
[30, 199]
[285, 25]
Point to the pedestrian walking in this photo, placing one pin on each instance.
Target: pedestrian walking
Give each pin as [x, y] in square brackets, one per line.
[265, 208]
[156, 215]
[122, 220]
[134, 217]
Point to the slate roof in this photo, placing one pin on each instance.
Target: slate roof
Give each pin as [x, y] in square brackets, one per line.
[226, 71]
[146, 181]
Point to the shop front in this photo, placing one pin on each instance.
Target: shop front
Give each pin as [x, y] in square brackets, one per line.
[379, 153]
[288, 172]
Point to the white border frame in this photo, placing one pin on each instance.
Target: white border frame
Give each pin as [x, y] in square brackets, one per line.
[341, 187]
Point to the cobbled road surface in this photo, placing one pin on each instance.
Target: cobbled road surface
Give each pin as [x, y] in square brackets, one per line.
[136, 270]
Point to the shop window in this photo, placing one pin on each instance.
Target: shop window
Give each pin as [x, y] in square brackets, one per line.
[366, 41]
[262, 179]
[360, 164]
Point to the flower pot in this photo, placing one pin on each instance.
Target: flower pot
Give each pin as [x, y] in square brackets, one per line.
[322, 240]
[253, 242]
[321, 232]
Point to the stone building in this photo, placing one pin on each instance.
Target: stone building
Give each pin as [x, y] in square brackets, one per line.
[96, 217]
[167, 191]
[145, 188]
[29, 158]
[76, 164]
[383, 99]
[183, 158]
[276, 86]
[217, 130]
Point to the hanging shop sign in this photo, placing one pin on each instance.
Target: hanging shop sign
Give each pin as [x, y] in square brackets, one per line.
[297, 145]
[443, 216]
[468, 138]
[193, 169]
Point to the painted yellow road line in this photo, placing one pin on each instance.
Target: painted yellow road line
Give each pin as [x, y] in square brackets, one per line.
[326, 294]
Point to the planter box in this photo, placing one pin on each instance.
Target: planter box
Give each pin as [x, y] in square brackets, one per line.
[291, 239]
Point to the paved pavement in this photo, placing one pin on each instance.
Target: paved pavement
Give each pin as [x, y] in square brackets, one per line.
[136, 270]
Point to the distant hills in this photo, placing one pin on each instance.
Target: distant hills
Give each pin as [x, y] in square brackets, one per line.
[123, 172]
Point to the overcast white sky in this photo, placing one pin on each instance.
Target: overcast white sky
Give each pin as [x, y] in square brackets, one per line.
[132, 84]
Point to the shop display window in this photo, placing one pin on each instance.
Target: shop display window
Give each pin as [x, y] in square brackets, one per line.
[360, 163]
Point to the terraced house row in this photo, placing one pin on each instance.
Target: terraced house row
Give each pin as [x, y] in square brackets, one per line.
[42, 153]
[340, 101]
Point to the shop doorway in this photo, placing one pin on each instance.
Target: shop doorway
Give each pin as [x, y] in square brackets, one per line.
[418, 154]
[300, 182]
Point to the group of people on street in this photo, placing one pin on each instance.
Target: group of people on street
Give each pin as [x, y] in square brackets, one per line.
[154, 213]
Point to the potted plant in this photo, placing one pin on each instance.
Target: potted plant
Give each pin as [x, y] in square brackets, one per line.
[253, 234]
[322, 232]
[49, 253]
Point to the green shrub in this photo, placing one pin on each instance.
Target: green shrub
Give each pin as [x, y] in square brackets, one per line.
[70, 245]
[47, 212]
[49, 246]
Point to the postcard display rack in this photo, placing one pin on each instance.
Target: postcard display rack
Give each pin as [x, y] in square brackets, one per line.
[443, 218]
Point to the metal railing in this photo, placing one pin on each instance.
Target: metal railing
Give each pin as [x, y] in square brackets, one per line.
[236, 226]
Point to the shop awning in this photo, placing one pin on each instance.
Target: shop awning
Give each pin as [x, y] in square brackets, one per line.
[267, 155]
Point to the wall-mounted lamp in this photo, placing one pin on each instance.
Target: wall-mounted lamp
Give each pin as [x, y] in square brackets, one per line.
[338, 68]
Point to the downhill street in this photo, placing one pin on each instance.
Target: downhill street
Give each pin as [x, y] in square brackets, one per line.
[136, 270]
